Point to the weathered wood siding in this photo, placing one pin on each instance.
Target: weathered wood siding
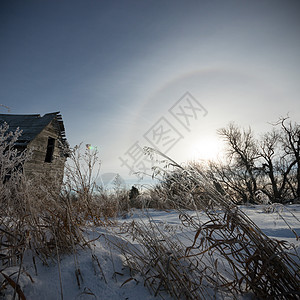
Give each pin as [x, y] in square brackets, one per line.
[36, 165]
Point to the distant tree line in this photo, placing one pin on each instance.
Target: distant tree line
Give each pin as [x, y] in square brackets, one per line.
[267, 168]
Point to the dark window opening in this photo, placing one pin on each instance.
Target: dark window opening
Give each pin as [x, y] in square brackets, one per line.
[50, 150]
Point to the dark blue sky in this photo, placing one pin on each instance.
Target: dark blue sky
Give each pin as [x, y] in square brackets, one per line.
[113, 68]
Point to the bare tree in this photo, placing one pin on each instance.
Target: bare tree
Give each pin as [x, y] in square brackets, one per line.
[270, 165]
[276, 165]
[290, 140]
[242, 154]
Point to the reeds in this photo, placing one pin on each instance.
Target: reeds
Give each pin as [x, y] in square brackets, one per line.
[39, 218]
[228, 253]
[217, 250]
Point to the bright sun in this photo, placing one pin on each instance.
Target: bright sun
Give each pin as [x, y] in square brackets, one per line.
[206, 149]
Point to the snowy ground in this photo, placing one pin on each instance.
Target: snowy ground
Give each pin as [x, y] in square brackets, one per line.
[109, 281]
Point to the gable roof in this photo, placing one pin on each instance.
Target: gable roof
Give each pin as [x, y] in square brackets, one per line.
[32, 125]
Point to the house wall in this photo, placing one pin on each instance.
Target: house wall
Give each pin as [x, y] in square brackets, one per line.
[36, 165]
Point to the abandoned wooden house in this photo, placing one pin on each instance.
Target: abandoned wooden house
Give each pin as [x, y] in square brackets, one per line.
[44, 137]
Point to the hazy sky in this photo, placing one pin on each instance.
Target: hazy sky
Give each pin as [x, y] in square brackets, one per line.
[117, 70]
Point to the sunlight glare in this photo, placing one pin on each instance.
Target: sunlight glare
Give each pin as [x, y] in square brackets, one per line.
[206, 149]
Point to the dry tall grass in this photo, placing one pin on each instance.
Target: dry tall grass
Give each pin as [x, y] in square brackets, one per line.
[228, 254]
[41, 219]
